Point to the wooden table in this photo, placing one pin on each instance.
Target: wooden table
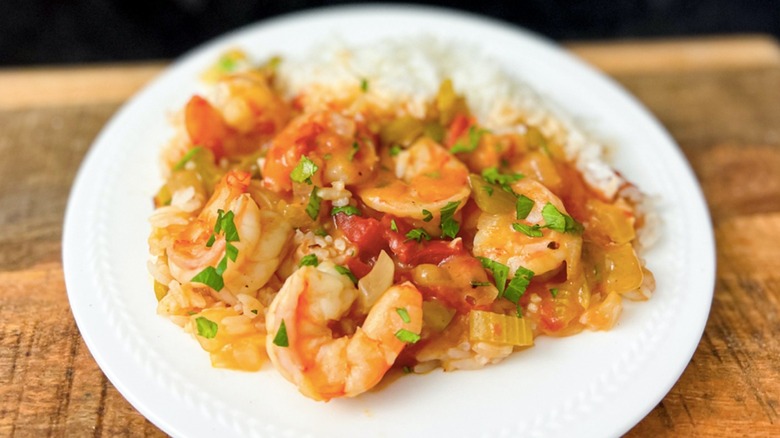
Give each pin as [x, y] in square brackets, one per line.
[720, 98]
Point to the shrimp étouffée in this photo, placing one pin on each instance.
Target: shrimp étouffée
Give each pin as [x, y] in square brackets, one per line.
[324, 367]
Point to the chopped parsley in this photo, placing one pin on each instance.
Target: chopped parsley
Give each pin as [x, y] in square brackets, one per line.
[523, 206]
[404, 314]
[226, 225]
[186, 158]
[254, 311]
[211, 276]
[518, 284]
[364, 85]
[554, 292]
[304, 170]
[493, 176]
[427, 215]
[488, 189]
[395, 150]
[480, 283]
[475, 134]
[348, 210]
[313, 207]
[449, 226]
[231, 251]
[404, 335]
[406, 370]
[320, 232]
[309, 260]
[355, 149]
[393, 225]
[528, 230]
[343, 270]
[206, 327]
[500, 273]
[557, 221]
[280, 340]
[418, 234]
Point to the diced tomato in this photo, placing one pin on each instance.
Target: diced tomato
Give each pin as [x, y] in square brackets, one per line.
[414, 253]
[365, 232]
[205, 125]
[549, 318]
[358, 267]
[459, 126]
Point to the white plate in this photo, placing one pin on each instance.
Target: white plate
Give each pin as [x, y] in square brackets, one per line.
[592, 384]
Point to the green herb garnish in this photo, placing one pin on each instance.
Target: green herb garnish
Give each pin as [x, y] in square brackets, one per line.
[518, 284]
[395, 150]
[210, 277]
[187, 157]
[475, 134]
[364, 85]
[348, 210]
[309, 260]
[418, 234]
[557, 221]
[523, 206]
[500, 273]
[304, 170]
[449, 226]
[226, 225]
[355, 149]
[393, 225]
[554, 292]
[404, 335]
[280, 340]
[480, 283]
[493, 176]
[488, 189]
[343, 270]
[313, 206]
[528, 230]
[403, 314]
[206, 327]
[427, 215]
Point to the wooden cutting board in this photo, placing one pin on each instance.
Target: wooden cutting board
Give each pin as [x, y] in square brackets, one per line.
[719, 97]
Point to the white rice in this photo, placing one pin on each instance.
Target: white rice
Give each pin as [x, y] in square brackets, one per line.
[404, 74]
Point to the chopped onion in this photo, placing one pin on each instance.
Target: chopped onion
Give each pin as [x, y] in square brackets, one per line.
[376, 282]
[436, 316]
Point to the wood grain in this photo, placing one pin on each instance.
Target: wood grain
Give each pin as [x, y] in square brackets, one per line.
[725, 115]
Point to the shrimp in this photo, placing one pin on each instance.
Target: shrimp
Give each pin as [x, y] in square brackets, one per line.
[426, 177]
[263, 239]
[244, 113]
[497, 240]
[323, 366]
[249, 104]
[339, 145]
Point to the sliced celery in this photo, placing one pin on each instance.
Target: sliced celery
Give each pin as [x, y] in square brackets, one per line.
[499, 329]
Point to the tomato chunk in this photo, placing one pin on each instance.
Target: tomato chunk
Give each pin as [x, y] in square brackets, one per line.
[366, 233]
[459, 126]
[205, 125]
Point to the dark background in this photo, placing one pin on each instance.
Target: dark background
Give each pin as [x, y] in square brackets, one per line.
[76, 31]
